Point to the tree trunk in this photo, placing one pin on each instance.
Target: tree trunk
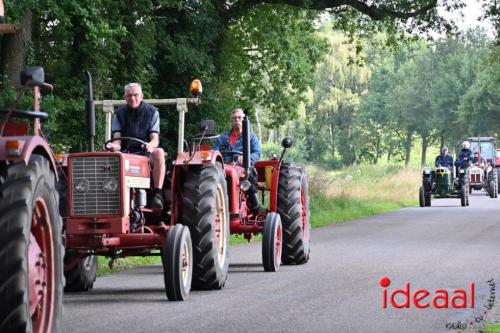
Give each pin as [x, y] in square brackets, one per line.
[425, 143]
[13, 53]
[270, 136]
[259, 128]
[408, 143]
[332, 137]
[442, 141]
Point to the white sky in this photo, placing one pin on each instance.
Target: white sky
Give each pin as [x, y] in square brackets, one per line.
[471, 13]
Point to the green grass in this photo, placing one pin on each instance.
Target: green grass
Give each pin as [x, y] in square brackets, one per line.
[125, 263]
[326, 211]
[491, 328]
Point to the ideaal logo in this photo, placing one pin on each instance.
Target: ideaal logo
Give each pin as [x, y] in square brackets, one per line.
[422, 298]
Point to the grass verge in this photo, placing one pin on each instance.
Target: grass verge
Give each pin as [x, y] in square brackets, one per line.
[491, 328]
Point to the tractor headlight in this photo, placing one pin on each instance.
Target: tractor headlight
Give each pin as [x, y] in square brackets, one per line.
[462, 171]
[81, 185]
[245, 185]
[427, 171]
[110, 185]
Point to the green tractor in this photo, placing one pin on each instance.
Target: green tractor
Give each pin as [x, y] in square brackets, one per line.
[443, 183]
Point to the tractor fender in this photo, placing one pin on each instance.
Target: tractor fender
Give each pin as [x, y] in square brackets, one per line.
[28, 145]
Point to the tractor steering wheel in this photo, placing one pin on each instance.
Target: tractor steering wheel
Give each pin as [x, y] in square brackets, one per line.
[140, 152]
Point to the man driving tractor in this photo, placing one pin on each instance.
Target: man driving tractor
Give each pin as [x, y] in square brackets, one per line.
[444, 159]
[140, 120]
[465, 155]
[231, 141]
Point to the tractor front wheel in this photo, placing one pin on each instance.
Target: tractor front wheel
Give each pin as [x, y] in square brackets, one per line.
[80, 273]
[464, 196]
[293, 207]
[205, 210]
[421, 196]
[31, 278]
[427, 199]
[271, 243]
[178, 263]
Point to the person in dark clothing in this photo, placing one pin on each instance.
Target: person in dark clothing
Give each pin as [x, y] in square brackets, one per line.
[444, 159]
[465, 156]
[142, 121]
[232, 141]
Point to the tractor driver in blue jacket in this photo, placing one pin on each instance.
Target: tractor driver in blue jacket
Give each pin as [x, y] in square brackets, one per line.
[232, 141]
[444, 159]
[465, 156]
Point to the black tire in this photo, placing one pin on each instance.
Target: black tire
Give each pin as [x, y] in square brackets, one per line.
[272, 243]
[421, 196]
[491, 189]
[204, 189]
[293, 207]
[80, 273]
[494, 179]
[497, 179]
[30, 227]
[427, 200]
[464, 196]
[177, 263]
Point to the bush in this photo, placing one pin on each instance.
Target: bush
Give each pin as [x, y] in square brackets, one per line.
[294, 153]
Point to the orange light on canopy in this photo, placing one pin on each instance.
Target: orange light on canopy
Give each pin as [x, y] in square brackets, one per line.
[196, 88]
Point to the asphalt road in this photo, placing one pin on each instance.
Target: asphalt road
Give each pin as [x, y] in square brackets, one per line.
[442, 247]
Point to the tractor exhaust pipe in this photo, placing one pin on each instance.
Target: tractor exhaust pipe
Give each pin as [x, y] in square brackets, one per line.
[246, 145]
[90, 113]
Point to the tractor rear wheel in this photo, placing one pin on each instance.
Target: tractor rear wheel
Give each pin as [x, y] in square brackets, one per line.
[80, 273]
[497, 178]
[491, 189]
[494, 178]
[205, 210]
[177, 263]
[421, 196]
[293, 207]
[31, 278]
[271, 243]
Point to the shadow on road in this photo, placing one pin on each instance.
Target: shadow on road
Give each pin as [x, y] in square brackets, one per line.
[246, 268]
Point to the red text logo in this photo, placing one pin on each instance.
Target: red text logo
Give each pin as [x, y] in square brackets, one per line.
[423, 298]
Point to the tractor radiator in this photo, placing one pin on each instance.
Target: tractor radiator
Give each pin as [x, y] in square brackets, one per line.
[89, 175]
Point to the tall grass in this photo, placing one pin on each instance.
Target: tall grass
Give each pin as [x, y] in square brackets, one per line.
[360, 191]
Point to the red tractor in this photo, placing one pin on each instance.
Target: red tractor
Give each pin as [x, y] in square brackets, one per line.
[284, 225]
[108, 212]
[31, 274]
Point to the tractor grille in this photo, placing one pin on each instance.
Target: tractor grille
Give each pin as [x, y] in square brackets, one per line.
[475, 178]
[93, 199]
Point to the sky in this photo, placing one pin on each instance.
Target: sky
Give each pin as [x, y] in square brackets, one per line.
[471, 13]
